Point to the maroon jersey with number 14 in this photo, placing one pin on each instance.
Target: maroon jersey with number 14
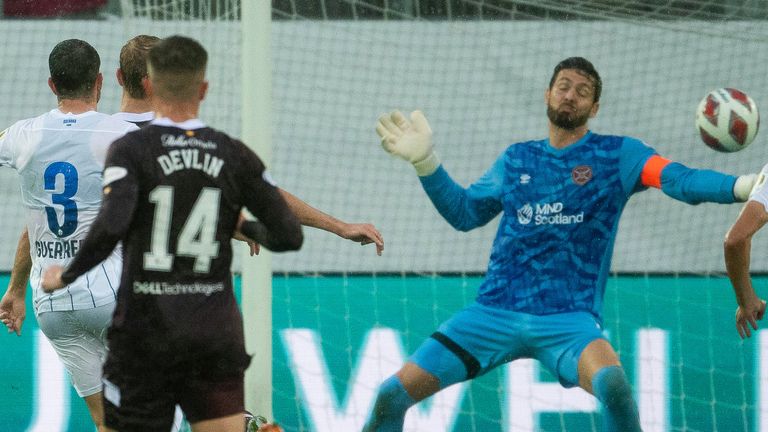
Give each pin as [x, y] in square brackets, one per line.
[173, 194]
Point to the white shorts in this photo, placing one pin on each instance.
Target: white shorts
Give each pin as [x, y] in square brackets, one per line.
[80, 340]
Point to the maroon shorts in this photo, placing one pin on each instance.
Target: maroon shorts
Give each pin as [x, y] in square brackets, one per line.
[144, 399]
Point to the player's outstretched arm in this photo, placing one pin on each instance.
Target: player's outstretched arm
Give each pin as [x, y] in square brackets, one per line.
[277, 228]
[409, 139]
[737, 248]
[463, 208]
[694, 186]
[363, 233]
[13, 308]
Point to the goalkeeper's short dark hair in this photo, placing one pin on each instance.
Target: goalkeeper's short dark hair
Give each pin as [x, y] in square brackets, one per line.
[585, 67]
[74, 65]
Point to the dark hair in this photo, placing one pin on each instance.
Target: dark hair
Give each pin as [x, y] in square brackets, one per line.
[74, 65]
[133, 64]
[176, 65]
[585, 67]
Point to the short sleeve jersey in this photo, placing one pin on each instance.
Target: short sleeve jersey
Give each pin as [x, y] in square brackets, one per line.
[190, 183]
[60, 158]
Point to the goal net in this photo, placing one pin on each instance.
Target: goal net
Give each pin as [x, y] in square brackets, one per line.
[344, 318]
[478, 69]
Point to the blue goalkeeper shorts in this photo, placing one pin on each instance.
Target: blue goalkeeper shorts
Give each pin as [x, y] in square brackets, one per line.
[479, 338]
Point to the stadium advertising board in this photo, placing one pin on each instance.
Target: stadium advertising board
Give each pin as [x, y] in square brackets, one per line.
[337, 337]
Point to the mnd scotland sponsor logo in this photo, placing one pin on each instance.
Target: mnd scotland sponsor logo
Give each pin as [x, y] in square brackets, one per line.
[547, 214]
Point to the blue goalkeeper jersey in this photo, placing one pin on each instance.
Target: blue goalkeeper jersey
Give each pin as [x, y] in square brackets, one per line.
[560, 212]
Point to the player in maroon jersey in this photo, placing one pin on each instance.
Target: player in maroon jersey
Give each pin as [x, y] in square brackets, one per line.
[173, 192]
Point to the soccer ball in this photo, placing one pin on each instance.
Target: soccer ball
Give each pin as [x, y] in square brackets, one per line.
[727, 120]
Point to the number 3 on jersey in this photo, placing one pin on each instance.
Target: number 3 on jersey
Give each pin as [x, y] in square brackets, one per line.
[197, 238]
[63, 198]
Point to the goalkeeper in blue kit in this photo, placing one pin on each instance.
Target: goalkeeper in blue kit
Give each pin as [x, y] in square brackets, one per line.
[542, 296]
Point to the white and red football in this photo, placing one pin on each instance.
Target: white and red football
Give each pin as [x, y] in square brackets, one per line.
[727, 120]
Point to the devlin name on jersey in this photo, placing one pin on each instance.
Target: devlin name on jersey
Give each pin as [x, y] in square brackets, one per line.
[177, 160]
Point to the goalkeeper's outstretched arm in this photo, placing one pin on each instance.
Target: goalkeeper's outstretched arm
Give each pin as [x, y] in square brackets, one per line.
[464, 208]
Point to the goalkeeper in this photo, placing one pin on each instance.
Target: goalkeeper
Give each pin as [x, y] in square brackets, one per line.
[542, 296]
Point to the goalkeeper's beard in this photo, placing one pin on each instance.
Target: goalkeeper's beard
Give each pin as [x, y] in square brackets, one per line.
[565, 120]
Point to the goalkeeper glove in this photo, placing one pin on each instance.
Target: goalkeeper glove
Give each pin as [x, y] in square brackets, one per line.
[743, 186]
[409, 139]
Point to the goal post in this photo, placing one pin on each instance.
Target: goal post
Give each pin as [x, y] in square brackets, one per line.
[256, 82]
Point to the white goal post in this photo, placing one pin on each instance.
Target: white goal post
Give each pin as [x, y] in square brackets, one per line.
[257, 132]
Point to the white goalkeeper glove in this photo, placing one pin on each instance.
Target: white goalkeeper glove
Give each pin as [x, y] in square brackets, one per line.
[409, 139]
[743, 186]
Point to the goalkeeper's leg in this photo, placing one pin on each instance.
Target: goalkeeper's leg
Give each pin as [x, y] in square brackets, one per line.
[610, 386]
[601, 374]
[434, 367]
[391, 404]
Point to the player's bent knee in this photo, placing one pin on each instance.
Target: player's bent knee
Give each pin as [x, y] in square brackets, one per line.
[392, 398]
[611, 387]
[389, 410]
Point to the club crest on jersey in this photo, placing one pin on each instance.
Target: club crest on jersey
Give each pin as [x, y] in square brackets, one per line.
[581, 174]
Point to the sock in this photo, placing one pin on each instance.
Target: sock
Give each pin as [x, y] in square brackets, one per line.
[620, 414]
[389, 410]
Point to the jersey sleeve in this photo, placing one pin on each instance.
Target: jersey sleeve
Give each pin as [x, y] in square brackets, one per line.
[8, 150]
[119, 201]
[278, 228]
[760, 190]
[694, 186]
[632, 166]
[641, 167]
[468, 208]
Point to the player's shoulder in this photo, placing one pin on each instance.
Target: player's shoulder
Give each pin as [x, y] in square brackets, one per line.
[139, 119]
[534, 143]
[91, 121]
[219, 135]
[29, 122]
[621, 139]
[114, 124]
[24, 127]
[522, 148]
[625, 143]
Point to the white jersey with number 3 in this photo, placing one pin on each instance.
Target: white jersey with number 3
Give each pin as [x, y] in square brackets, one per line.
[60, 158]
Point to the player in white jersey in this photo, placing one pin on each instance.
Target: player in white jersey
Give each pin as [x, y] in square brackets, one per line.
[60, 157]
[738, 245]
